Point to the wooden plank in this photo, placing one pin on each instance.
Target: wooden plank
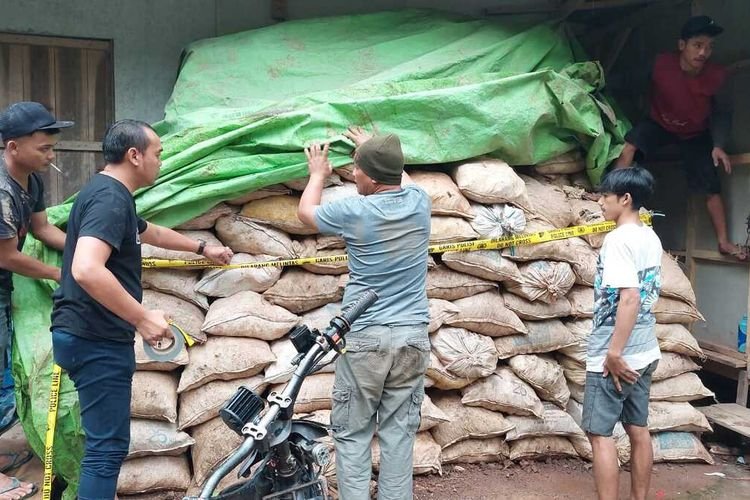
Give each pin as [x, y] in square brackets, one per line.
[54, 41]
[727, 351]
[723, 359]
[742, 387]
[714, 256]
[730, 415]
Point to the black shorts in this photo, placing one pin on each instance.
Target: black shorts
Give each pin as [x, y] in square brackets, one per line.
[702, 176]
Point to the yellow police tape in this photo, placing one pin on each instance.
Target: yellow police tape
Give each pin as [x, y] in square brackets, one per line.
[49, 438]
[465, 246]
[54, 401]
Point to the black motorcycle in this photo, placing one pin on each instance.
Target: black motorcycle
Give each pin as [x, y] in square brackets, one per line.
[281, 457]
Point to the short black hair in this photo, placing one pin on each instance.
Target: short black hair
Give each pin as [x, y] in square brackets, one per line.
[123, 135]
[636, 181]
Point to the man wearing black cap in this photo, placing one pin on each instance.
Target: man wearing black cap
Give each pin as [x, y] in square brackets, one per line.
[29, 134]
[380, 381]
[687, 109]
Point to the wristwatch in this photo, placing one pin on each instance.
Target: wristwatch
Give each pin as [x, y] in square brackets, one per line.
[201, 246]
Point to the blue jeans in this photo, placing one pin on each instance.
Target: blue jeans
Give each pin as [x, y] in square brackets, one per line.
[7, 397]
[102, 372]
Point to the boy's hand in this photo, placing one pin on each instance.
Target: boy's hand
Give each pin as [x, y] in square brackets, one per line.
[615, 365]
[317, 161]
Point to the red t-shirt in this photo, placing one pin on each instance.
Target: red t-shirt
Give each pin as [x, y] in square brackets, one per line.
[681, 103]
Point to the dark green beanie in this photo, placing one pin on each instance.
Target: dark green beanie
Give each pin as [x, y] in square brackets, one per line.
[381, 159]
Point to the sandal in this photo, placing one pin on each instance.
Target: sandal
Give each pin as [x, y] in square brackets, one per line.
[739, 253]
[16, 484]
[17, 460]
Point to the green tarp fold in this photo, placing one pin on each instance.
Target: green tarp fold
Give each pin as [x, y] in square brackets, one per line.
[245, 105]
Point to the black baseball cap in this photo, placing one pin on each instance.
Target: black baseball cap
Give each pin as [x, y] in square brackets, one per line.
[26, 117]
[700, 25]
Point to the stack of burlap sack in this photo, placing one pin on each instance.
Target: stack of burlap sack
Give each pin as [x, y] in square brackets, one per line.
[508, 329]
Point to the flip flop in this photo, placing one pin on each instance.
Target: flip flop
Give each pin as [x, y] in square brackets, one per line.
[15, 484]
[740, 253]
[18, 459]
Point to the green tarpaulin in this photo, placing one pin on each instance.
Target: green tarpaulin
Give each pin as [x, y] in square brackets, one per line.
[245, 105]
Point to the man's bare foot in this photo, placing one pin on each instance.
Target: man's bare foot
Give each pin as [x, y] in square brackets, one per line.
[13, 489]
[733, 250]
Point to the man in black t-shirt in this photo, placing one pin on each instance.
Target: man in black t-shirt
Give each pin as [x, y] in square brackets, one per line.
[97, 309]
[29, 134]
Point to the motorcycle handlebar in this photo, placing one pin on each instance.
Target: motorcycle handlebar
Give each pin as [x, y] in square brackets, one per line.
[354, 310]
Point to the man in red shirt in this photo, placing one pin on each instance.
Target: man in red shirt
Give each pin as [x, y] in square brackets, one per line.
[685, 110]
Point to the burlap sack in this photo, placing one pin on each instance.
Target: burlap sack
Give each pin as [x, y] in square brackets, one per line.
[180, 284]
[541, 448]
[431, 415]
[487, 264]
[497, 221]
[279, 212]
[548, 202]
[488, 181]
[148, 474]
[476, 451]
[583, 261]
[300, 291]
[442, 283]
[574, 371]
[248, 314]
[576, 391]
[259, 194]
[443, 379]
[426, 458]
[309, 248]
[346, 172]
[581, 302]
[150, 437]
[227, 282]
[335, 193]
[143, 362]
[445, 195]
[214, 441]
[544, 336]
[674, 283]
[466, 422]
[152, 252]
[315, 393]
[486, 313]
[328, 242]
[536, 311]
[685, 387]
[671, 365]
[677, 338]
[544, 375]
[679, 447]
[184, 313]
[245, 236]
[208, 219]
[281, 370]
[225, 358]
[203, 403]
[551, 250]
[445, 229]
[320, 318]
[588, 212]
[678, 417]
[541, 280]
[503, 391]
[554, 422]
[668, 310]
[440, 312]
[582, 446]
[464, 353]
[301, 183]
[566, 163]
[154, 396]
[580, 329]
